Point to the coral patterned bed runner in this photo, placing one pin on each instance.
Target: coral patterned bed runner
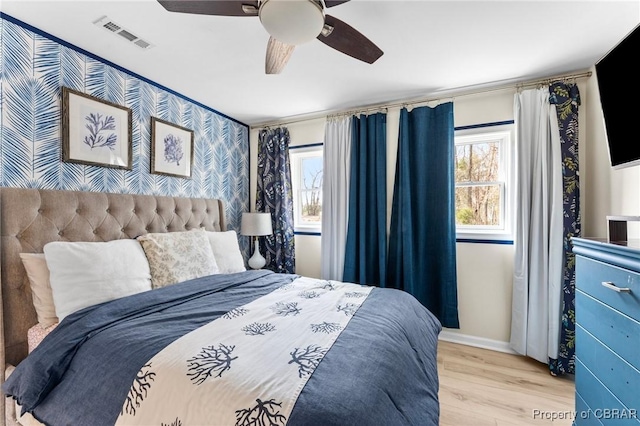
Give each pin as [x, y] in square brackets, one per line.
[248, 366]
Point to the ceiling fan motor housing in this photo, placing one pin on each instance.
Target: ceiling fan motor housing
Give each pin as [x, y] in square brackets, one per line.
[292, 21]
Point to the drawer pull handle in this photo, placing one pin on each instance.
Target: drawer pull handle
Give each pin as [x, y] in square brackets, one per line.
[612, 286]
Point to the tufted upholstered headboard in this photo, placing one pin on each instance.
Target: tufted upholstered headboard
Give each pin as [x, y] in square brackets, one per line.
[30, 218]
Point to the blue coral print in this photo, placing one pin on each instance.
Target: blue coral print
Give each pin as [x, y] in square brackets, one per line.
[349, 309]
[307, 359]
[264, 413]
[285, 309]
[139, 390]
[326, 327]
[212, 361]
[173, 152]
[99, 128]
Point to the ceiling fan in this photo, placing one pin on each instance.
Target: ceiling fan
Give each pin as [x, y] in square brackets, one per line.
[289, 22]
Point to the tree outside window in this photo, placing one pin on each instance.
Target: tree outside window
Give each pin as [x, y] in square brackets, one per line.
[478, 192]
[311, 189]
[483, 158]
[307, 177]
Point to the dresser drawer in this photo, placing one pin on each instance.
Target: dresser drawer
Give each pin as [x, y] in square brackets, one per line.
[583, 413]
[590, 274]
[616, 374]
[595, 404]
[610, 327]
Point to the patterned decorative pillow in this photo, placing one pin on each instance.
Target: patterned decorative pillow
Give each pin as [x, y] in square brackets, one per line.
[37, 333]
[178, 256]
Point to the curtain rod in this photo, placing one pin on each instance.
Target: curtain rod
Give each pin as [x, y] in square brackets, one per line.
[386, 106]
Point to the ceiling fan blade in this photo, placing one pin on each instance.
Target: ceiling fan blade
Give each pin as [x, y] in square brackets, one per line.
[331, 3]
[212, 7]
[348, 40]
[278, 54]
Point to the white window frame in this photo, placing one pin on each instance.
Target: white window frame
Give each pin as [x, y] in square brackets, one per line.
[504, 135]
[296, 155]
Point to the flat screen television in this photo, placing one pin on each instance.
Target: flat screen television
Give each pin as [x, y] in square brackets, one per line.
[617, 77]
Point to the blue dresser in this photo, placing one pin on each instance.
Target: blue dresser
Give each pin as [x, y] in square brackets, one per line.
[607, 333]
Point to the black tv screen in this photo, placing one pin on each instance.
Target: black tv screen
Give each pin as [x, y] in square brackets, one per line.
[617, 77]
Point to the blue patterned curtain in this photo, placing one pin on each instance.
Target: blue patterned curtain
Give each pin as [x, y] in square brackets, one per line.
[566, 98]
[365, 259]
[274, 195]
[422, 241]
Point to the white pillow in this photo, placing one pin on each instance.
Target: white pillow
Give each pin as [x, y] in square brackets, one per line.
[175, 257]
[226, 250]
[36, 266]
[83, 274]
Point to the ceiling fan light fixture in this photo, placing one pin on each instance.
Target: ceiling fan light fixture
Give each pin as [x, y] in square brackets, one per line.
[292, 21]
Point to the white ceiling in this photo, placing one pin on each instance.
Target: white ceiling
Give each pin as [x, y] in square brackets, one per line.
[431, 48]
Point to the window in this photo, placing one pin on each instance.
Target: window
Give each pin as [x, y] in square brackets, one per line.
[484, 187]
[306, 177]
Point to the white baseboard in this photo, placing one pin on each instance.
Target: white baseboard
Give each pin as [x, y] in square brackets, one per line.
[478, 342]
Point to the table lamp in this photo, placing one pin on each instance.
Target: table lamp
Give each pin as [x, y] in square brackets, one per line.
[255, 225]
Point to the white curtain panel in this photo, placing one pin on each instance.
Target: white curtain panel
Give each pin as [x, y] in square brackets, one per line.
[537, 284]
[335, 197]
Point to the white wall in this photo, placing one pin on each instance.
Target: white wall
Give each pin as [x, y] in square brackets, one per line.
[485, 270]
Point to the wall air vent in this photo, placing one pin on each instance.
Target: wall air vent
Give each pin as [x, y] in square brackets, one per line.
[127, 35]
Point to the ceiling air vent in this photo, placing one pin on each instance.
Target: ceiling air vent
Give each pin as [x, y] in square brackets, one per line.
[127, 35]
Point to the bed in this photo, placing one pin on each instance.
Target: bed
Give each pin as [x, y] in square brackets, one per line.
[246, 347]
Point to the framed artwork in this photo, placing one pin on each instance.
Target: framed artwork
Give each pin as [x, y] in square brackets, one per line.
[171, 149]
[95, 132]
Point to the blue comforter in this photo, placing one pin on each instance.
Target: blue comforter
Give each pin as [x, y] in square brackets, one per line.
[382, 369]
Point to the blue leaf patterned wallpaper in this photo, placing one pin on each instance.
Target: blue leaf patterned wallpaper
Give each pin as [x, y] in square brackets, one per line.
[33, 68]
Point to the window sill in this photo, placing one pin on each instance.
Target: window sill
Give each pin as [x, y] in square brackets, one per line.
[308, 232]
[483, 241]
[505, 238]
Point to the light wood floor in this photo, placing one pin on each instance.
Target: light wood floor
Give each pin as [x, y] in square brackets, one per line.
[481, 387]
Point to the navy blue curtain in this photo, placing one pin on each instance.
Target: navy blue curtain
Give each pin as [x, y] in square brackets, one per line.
[422, 241]
[274, 195]
[566, 98]
[365, 259]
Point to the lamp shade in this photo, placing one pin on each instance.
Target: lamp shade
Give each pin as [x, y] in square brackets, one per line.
[256, 224]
